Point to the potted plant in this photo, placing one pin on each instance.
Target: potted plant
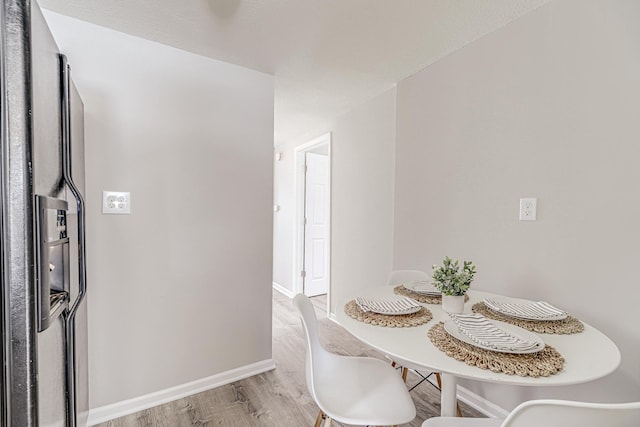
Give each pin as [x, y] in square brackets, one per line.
[453, 282]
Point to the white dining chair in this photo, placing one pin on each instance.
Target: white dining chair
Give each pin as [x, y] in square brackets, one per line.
[351, 390]
[395, 278]
[553, 413]
[399, 277]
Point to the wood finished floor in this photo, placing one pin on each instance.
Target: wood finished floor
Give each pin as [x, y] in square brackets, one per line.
[278, 397]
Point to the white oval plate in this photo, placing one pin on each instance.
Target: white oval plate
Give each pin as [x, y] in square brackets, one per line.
[452, 329]
[391, 307]
[397, 313]
[528, 310]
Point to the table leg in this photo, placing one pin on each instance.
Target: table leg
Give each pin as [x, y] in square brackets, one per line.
[448, 395]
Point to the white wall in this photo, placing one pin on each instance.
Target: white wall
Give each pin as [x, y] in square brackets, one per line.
[546, 107]
[180, 289]
[362, 197]
[283, 220]
[362, 173]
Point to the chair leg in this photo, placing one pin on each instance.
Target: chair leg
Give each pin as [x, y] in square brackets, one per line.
[439, 380]
[405, 371]
[319, 419]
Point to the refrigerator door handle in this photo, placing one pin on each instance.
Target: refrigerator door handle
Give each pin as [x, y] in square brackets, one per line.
[66, 172]
[69, 325]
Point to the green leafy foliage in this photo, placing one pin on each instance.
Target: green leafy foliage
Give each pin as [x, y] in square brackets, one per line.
[450, 280]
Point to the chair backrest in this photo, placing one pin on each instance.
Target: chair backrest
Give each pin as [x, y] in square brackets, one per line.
[316, 356]
[552, 413]
[404, 276]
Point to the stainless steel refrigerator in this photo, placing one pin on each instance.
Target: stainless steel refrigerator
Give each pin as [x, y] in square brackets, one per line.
[44, 317]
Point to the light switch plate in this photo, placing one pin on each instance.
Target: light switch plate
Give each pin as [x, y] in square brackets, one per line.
[116, 202]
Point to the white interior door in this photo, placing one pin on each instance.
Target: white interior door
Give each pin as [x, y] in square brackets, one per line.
[316, 229]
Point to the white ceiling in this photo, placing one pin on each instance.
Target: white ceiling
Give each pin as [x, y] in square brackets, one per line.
[327, 56]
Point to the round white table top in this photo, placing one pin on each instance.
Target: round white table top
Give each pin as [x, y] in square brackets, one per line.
[588, 355]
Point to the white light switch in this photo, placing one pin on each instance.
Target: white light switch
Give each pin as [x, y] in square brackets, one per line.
[116, 202]
[528, 209]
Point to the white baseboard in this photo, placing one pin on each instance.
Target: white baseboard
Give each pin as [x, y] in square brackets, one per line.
[284, 291]
[120, 409]
[481, 404]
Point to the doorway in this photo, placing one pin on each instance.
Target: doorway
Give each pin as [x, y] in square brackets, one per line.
[312, 270]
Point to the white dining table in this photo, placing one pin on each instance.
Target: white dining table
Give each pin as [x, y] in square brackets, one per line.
[588, 355]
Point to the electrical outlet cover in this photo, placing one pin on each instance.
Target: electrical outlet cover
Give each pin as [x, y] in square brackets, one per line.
[116, 202]
[528, 208]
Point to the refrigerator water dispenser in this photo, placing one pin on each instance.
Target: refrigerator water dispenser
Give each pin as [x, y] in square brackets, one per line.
[52, 259]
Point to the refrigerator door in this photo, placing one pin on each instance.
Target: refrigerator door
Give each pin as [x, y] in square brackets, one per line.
[17, 230]
[52, 404]
[47, 172]
[81, 326]
[32, 167]
[4, 306]
[4, 346]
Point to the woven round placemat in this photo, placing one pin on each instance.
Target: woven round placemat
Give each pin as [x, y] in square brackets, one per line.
[540, 364]
[394, 321]
[423, 298]
[568, 325]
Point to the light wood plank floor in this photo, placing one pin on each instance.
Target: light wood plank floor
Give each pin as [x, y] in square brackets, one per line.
[279, 397]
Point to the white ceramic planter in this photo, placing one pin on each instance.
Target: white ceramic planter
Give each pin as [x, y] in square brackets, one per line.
[453, 303]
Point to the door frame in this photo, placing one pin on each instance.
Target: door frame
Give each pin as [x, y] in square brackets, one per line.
[299, 188]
